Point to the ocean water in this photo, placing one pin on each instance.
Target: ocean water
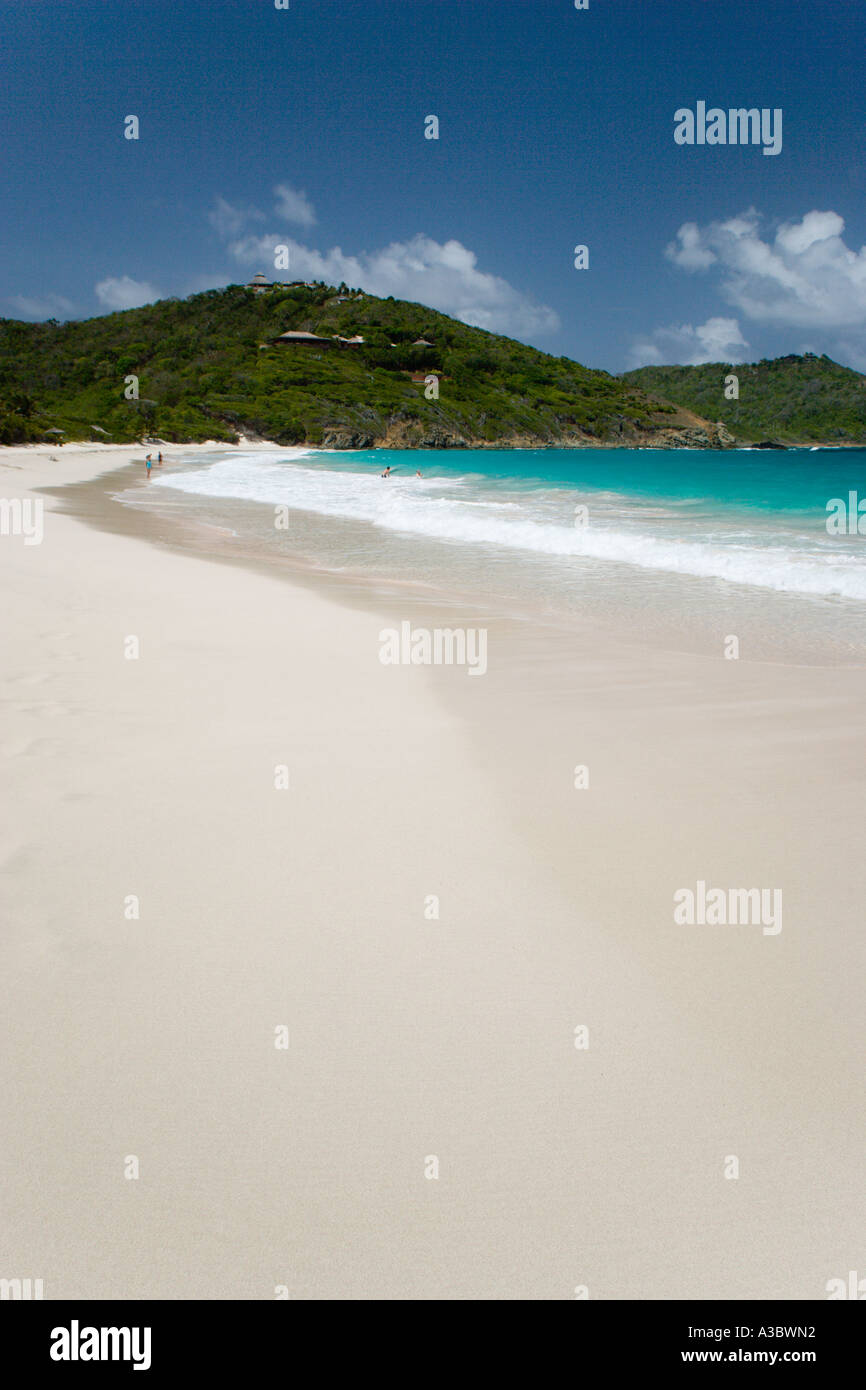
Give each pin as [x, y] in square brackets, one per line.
[674, 546]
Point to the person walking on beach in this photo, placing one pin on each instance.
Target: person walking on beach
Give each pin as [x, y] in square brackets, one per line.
[159, 458]
[148, 463]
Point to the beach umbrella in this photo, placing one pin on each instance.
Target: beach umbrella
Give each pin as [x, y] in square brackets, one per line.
[97, 429]
[55, 431]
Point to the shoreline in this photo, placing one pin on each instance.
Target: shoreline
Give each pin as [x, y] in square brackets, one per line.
[410, 1036]
[684, 611]
[515, 444]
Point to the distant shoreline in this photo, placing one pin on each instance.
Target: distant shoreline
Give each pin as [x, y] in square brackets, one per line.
[209, 445]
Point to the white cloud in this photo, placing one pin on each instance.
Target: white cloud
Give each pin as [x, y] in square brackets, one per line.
[44, 307]
[691, 254]
[125, 293]
[717, 340]
[804, 276]
[230, 220]
[294, 205]
[444, 276]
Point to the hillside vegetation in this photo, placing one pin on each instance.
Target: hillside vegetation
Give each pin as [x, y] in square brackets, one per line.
[207, 368]
[794, 399]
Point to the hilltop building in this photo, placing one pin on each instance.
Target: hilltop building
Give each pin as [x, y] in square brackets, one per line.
[260, 283]
[294, 336]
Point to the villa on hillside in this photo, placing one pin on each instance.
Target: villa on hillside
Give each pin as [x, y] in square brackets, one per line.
[260, 284]
[420, 378]
[294, 336]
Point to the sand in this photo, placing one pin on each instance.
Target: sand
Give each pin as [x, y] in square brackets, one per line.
[409, 1037]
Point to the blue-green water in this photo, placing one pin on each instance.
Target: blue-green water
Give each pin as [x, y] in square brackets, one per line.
[750, 517]
[685, 540]
[794, 480]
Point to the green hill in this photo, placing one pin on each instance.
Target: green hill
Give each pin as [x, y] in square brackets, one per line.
[808, 400]
[208, 368]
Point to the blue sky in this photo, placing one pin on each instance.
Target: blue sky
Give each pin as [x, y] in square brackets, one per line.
[305, 127]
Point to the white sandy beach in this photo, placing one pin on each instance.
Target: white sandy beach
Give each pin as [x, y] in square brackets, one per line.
[409, 1038]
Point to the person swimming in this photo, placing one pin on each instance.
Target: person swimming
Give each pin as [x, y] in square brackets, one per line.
[387, 472]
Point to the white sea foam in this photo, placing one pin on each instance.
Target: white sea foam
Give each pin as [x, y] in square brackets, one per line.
[435, 508]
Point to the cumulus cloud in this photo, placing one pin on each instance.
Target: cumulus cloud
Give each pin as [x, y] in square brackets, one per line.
[41, 307]
[230, 220]
[443, 275]
[717, 340]
[294, 206]
[124, 293]
[803, 276]
[688, 250]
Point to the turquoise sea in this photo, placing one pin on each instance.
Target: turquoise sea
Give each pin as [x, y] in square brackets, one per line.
[674, 543]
